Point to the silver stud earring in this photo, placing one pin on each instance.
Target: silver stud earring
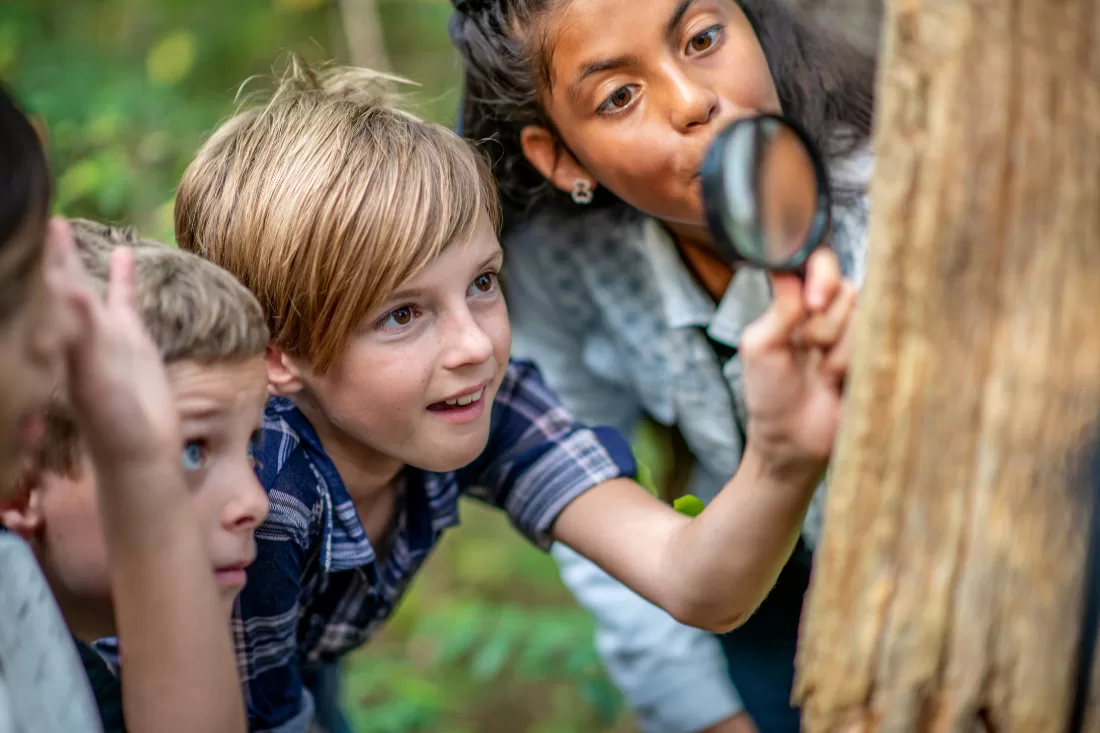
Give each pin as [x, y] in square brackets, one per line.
[582, 192]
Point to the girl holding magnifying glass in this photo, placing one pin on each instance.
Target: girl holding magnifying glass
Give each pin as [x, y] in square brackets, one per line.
[599, 113]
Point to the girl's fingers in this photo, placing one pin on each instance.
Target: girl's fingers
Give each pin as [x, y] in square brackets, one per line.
[776, 327]
[120, 284]
[823, 279]
[834, 366]
[823, 329]
[66, 280]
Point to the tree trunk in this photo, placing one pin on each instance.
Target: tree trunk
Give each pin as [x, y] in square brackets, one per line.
[947, 590]
[363, 27]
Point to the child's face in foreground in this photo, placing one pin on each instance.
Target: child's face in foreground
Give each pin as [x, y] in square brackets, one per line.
[220, 409]
[417, 381]
[33, 332]
[639, 90]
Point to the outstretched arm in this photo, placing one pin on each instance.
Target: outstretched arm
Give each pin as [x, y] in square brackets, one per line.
[714, 570]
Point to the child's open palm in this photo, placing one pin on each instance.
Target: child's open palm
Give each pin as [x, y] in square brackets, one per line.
[795, 362]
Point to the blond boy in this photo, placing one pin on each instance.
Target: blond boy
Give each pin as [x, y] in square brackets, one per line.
[211, 335]
[369, 237]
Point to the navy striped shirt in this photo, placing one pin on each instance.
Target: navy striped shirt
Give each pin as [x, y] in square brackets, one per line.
[317, 589]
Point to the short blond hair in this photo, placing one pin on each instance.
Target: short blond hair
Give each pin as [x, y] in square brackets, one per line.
[327, 196]
[193, 309]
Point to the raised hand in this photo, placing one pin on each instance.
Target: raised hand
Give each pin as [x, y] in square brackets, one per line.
[795, 361]
[115, 378]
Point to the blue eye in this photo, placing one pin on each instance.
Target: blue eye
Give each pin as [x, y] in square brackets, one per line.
[398, 318]
[193, 457]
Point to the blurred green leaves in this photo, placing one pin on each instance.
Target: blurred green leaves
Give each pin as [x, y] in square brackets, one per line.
[171, 59]
[128, 89]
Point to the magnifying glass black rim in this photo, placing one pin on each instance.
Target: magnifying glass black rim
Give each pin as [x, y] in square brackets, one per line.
[714, 198]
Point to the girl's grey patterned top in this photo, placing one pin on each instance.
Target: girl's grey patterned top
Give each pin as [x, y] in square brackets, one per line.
[605, 306]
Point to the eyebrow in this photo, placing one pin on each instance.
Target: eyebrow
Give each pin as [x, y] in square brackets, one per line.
[598, 67]
[592, 68]
[496, 258]
[202, 414]
[401, 295]
[677, 16]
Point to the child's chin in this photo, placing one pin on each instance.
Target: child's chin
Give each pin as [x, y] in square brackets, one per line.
[452, 457]
[229, 599]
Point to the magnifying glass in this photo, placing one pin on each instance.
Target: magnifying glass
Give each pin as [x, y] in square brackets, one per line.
[766, 194]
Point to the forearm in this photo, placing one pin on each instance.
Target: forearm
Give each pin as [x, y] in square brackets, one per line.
[719, 566]
[178, 667]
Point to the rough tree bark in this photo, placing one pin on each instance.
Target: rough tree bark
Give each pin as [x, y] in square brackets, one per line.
[946, 592]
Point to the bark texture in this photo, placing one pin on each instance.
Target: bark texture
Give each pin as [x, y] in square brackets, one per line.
[947, 589]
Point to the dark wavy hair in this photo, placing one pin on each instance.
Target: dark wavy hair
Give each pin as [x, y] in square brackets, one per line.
[823, 81]
[24, 183]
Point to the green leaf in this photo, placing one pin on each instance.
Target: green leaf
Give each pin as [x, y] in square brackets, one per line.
[689, 505]
[171, 59]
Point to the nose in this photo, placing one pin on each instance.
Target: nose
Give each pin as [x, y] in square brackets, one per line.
[465, 342]
[247, 506]
[693, 102]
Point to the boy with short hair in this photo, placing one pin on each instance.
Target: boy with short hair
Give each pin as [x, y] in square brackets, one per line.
[211, 335]
[369, 238]
[180, 674]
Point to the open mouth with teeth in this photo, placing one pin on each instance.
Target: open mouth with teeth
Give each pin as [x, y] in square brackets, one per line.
[459, 403]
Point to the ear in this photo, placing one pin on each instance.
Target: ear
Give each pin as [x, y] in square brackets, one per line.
[556, 164]
[284, 377]
[24, 517]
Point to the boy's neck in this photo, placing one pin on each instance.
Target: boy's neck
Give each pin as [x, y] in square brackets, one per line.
[87, 619]
[367, 474]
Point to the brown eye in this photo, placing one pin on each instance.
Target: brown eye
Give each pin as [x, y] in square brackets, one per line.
[703, 41]
[621, 97]
[402, 316]
[620, 100]
[483, 283]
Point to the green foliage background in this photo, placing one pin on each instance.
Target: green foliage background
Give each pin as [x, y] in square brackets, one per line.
[488, 639]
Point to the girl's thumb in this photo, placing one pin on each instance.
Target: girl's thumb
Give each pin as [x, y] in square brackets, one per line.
[775, 328]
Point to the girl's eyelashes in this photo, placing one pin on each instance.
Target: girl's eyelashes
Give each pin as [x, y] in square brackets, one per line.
[704, 40]
[398, 319]
[618, 101]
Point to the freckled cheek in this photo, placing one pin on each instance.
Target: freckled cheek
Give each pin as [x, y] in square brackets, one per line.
[376, 386]
[494, 322]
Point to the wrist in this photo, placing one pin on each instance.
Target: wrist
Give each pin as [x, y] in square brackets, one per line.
[782, 467]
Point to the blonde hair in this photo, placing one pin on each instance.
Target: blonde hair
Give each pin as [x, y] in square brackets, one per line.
[193, 309]
[325, 198]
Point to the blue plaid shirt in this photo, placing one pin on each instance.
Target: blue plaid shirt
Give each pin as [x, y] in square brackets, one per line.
[318, 590]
